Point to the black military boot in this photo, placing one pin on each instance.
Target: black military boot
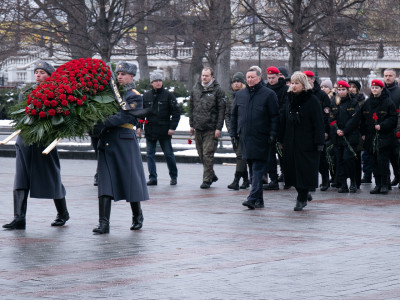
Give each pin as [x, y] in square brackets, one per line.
[104, 215]
[273, 185]
[137, 216]
[385, 185]
[343, 188]
[301, 201]
[20, 204]
[353, 186]
[246, 181]
[377, 188]
[235, 184]
[62, 212]
[325, 182]
[395, 181]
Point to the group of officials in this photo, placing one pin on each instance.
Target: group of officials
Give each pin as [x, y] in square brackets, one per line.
[309, 128]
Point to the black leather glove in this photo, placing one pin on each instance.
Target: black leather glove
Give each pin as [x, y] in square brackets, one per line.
[320, 148]
[235, 142]
[272, 140]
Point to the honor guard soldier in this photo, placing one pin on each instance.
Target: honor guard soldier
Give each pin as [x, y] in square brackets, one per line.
[33, 169]
[120, 168]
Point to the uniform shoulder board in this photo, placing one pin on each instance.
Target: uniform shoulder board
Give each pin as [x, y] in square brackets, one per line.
[135, 91]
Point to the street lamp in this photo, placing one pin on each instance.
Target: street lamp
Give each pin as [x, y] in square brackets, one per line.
[316, 62]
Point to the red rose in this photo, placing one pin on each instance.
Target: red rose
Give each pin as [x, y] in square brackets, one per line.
[398, 135]
[66, 113]
[27, 109]
[84, 98]
[53, 103]
[333, 123]
[79, 102]
[63, 97]
[34, 112]
[375, 116]
[101, 88]
[51, 112]
[28, 101]
[64, 103]
[189, 141]
[46, 103]
[42, 114]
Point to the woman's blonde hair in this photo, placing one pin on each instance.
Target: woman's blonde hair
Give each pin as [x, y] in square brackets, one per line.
[302, 78]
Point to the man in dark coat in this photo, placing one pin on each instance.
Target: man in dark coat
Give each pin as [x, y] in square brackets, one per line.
[36, 173]
[206, 118]
[255, 121]
[160, 127]
[389, 76]
[325, 106]
[120, 168]
[278, 85]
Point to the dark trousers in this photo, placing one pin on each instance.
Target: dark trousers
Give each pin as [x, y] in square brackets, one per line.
[166, 147]
[345, 164]
[366, 164]
[241, 165]
[380, 165]
[256, 168]
[323, 164]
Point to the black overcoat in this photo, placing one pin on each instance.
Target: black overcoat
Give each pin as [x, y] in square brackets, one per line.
[37, 172]
[386, 112]
[120, 168]
[255, 118]
[302, 130]
[346, 116]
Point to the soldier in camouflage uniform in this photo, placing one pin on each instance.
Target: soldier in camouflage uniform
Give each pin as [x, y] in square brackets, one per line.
[206, 118]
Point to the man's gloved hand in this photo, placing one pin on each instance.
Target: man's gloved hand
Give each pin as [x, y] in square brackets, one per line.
[272, 140]
[235, 142]
[320, 148]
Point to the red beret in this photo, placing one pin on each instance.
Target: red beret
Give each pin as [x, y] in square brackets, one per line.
[273, 70]
[377, 82]
[309, 73]
[342, 83]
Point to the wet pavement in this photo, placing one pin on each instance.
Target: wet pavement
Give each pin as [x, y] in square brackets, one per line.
[201, 244]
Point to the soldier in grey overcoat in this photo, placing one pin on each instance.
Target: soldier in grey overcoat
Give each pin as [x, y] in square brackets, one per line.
[36, 173]
[120, 168]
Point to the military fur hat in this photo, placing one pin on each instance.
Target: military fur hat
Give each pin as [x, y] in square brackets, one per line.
[40, 64]
[156, 76]
[123, 66]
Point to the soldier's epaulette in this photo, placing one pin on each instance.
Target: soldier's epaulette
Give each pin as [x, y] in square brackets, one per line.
[135, 91]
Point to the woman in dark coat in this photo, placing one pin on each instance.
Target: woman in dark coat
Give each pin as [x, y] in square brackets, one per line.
[345, 136]
[120, 168]
[302, 134]
[378, 124]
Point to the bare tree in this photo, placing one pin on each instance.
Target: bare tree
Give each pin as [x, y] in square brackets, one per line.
[294, 21]
[86, 27]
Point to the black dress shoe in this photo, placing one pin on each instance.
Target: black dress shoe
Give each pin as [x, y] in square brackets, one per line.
[300, 205]
[249, 204]
[152, 182]
[384, 189]
[395, 181]
[173, 181]
[343, 189]
[366, 180]
[205, 185]
[323, 188]
[309, 197]
[376, 190]
[259, 204]
[215, 178]
[272, 186]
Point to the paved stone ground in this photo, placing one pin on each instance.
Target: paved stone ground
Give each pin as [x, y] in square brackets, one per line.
[201, 244]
